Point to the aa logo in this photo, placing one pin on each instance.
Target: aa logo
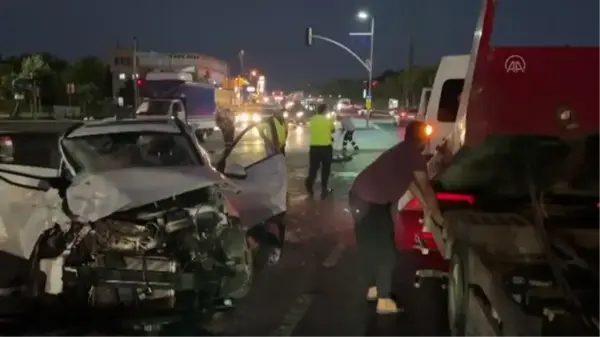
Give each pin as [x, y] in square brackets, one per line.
[515, 64]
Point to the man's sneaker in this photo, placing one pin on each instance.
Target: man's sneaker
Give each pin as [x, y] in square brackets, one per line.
[275, 256]
[372, 294]
[309, 190]
[325, 193]
[387, 306]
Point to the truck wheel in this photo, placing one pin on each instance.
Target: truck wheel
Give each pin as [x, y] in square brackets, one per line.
[458, 290]
[200, 135]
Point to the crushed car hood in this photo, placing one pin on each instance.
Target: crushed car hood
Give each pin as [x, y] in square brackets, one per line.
[94, 196]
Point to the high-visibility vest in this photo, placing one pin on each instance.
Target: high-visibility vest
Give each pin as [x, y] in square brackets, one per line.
[320, 128]
[280, 130]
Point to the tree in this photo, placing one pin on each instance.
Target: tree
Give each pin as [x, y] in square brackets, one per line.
[86, 94]
[33, 67]
[7, 75]
[87, 70]
[107, 88]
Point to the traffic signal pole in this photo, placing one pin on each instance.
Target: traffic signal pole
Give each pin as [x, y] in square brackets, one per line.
[135, 75]
[368, 65]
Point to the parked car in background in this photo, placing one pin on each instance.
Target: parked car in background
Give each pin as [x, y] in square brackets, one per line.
[6, 149]
[403, 116]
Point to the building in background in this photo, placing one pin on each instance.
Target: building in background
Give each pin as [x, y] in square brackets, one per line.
[121, 64]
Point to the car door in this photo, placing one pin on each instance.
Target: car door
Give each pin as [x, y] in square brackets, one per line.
[29, 206]
[255, 163]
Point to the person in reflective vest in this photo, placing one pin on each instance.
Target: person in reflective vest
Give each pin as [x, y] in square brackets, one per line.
[275, 133]
[320, 153]
[282, 129]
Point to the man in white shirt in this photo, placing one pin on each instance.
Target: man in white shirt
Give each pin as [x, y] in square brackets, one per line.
[348, 130]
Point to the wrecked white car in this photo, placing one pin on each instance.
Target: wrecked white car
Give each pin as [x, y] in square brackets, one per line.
[136, 216]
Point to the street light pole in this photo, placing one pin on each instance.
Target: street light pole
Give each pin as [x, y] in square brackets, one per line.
[363, 15]
[369, 96]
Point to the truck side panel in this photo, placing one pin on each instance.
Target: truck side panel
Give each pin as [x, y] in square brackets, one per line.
[523, 90]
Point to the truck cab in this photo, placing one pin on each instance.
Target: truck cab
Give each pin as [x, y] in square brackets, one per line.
[173, 94]
[443, 98]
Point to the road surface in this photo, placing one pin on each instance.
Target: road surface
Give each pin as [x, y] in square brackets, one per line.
[317, 288]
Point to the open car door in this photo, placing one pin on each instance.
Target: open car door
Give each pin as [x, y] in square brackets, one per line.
[255, 163]
[29, 184]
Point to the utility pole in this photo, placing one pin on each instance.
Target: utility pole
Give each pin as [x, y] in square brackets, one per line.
[408, 71]
[135, 74]
[241, 56]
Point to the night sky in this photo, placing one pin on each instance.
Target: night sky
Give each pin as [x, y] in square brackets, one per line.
[272, 31]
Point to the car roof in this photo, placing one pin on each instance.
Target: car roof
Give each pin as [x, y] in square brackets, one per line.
[112, 125]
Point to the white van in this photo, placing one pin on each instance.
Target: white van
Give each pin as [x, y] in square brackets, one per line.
[444, 98]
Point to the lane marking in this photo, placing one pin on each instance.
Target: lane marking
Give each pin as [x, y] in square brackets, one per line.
[346, 174]
[335, 255]
[294, 315]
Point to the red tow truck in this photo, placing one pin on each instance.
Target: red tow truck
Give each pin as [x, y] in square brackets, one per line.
[517, 181]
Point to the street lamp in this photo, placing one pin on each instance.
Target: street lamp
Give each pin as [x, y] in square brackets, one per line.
[363, 16]
[253, 73]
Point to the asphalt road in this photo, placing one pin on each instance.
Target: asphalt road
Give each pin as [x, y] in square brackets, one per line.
[316, 288]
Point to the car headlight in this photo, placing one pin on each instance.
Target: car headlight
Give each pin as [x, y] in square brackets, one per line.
[286, 115]
[299, 113]
[244, 117]
[256, 118]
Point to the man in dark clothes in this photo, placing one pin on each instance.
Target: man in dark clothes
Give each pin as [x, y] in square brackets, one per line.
[375, 191]
[227, 126]
[320, 152]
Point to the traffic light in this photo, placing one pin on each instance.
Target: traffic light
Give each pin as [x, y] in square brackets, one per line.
[374, 83]
[309, 36]
[139, 82]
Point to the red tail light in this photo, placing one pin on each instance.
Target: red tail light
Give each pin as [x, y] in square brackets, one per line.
[409, 230]
[415, 205]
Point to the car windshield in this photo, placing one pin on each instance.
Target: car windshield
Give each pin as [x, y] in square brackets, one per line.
[156, 108]
[504, 166]
[98, 153]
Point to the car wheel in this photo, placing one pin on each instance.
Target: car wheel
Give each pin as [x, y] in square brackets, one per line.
[458, 290]
[236, 248]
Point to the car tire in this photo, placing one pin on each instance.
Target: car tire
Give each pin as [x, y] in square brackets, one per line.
[458, 289]
[236, 248]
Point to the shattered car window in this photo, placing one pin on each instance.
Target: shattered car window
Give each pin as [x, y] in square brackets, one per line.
[105, 152]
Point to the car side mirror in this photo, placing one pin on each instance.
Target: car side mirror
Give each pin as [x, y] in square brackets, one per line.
[235, 170]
